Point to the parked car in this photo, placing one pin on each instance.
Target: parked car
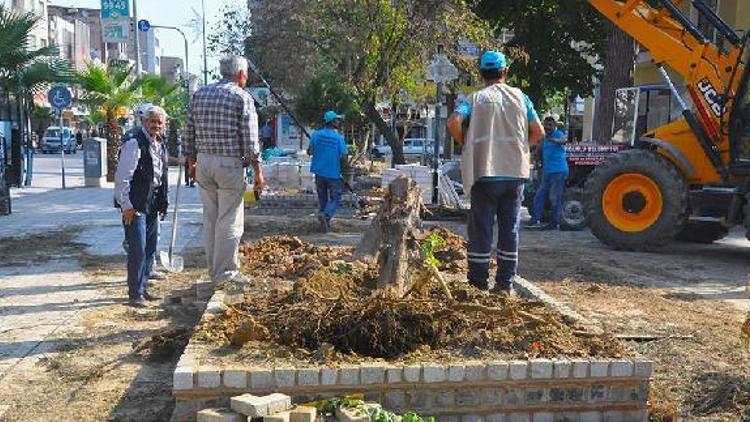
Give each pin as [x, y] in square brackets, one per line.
[413, 148]
[51, 142]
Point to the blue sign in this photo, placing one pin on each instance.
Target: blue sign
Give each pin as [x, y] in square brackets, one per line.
[143, 25]
[115, 9]
[60, 97]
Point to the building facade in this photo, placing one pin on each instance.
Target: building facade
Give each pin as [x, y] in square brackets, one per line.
[38, 38]
[171, 68]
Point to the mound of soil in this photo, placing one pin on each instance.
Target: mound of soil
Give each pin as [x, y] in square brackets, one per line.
[287, 257]
[452, 255]
[334, 306]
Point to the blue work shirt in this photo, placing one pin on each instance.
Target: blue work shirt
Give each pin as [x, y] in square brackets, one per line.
[554, 156]
[464, 109]
[328, 147]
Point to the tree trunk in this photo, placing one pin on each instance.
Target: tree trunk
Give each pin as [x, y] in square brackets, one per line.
[172, 138]
[397, 147]
[619, 64]
[392, 236]
[114, 140]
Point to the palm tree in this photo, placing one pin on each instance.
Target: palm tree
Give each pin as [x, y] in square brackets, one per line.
[111, 91]
[25, 71]
[173, 98]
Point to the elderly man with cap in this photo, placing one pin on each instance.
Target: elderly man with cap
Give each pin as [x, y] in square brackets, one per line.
[502, 124]
[328, 150]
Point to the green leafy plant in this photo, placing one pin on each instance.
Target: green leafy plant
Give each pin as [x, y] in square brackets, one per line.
[433, 243]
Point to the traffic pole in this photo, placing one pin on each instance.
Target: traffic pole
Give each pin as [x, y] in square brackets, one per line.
[62, 149]
[136, 45]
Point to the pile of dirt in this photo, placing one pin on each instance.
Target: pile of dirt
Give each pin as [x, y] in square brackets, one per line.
[718, 392]
[452, 252]
[287, 257]
[334, 306]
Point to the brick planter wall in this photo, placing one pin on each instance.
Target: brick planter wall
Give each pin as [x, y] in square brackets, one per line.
[536, 390]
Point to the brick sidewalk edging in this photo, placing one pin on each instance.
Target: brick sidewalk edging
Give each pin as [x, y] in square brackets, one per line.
[536, 390]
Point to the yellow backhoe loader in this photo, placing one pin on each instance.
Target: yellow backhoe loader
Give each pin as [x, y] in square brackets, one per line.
[694, 171]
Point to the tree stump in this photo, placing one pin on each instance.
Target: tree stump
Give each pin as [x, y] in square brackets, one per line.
[392, 237]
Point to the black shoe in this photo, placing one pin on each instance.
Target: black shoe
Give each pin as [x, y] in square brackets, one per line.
[150, 297]
[192, 184]
[137, 303]
[503, 291]
[324, 227]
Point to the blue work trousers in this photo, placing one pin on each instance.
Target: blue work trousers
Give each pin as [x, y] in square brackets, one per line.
[491, 201]
[552, 187]
[142, 235]
[329, 195]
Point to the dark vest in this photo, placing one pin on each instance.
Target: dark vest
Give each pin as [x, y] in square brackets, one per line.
[142, 195]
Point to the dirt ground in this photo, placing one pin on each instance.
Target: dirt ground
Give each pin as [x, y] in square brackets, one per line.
[689, 297]
[88, 369]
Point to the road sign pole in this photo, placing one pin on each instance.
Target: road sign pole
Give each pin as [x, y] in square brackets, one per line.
[62, 148]
[136, 45]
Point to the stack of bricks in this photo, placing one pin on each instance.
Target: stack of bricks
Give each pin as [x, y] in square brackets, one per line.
[271, 408]
[538, 390]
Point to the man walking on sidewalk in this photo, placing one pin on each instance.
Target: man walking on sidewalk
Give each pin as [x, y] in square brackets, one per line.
[328, 149]
[495, 164]
[221, 141]
[554, 174]
[141, 186]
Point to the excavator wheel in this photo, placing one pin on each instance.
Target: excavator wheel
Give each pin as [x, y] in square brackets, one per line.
[572, 217]
[702, 232]
[636, 200]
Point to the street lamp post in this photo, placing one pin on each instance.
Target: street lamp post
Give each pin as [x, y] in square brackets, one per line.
[205, 56]
[441, 70]
[136, 45]
[184, 38]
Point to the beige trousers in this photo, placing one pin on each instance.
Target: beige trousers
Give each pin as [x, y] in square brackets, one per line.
[223, 182]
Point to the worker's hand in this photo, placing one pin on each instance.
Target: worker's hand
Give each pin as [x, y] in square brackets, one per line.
[128, 215]
[259, 182]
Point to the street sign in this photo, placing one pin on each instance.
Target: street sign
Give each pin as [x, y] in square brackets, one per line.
[115, 20]
[468, 49]
[115, 9]
[59, 97]
[441, 70]
[144, 25]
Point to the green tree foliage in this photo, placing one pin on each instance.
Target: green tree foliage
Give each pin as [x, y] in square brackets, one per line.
[561, 41]
[173, 98]
[110, 91]
[377, 47]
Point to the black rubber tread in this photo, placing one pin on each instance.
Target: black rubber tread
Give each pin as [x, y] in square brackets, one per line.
[702, 232]
[576, 194]
[674, 193]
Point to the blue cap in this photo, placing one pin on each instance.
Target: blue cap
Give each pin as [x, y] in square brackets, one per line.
[492, 60]
[331, 116]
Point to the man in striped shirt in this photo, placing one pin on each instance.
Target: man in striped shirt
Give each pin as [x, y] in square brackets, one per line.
[221, 140]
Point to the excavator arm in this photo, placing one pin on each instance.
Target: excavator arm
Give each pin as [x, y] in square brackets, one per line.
[711, 71]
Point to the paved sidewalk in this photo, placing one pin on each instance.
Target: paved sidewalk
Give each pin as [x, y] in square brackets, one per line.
[39, 302]
[45, 206]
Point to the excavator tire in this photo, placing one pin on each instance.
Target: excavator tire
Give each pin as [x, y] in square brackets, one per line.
[702, 232]
[636, 200]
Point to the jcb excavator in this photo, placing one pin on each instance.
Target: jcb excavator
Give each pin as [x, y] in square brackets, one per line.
[692, 173]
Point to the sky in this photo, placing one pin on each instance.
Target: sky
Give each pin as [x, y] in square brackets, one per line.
[171, 13]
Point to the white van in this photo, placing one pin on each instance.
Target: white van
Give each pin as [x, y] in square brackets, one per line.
[51, 142]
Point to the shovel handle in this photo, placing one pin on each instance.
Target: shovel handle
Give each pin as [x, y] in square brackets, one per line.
[173, 240]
